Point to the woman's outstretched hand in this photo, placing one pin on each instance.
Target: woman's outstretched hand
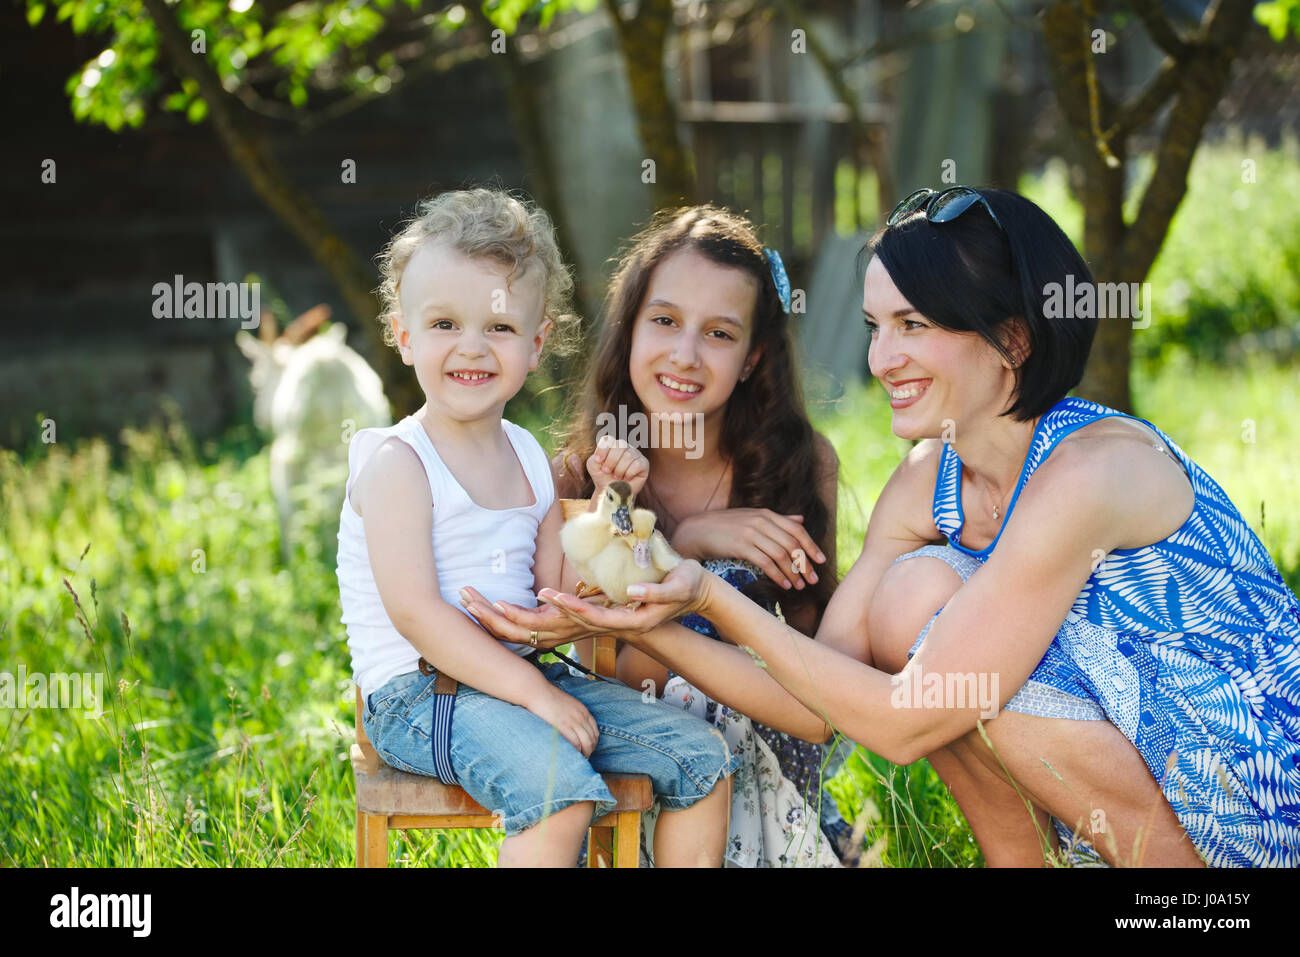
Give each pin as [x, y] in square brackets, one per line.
[510, 622]
[778, 544]
[684, 591]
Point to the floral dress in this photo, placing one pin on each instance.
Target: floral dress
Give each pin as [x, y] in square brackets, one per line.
[1190, 646]
[781, 816]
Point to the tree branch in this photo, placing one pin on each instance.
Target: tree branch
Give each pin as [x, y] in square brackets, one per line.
[869, 141]
[1161, 30]
[1143, 108]
[247, 148]
[1203, 83]
[1095, 93]
[419, 60]
[443, 62]
[1067, 65]
[905, 42]
[641, 43]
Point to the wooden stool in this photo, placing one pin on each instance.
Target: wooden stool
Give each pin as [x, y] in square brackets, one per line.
[388, 799]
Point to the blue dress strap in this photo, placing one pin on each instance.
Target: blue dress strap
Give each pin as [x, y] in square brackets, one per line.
[1059, 421]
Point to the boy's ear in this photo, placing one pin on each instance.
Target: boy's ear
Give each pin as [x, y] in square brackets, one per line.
[539, 340]
[402, 336]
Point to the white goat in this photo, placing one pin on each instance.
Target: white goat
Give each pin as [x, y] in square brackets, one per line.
[311, 393]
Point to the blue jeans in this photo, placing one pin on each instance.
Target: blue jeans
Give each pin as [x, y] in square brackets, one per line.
[520, 768]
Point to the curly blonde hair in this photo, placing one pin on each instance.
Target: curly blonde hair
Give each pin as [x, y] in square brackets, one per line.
[494, 224]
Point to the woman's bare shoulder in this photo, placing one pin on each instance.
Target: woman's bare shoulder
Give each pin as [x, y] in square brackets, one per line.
[1155, 496]
[908, 496]
[919, 469]
[1128, 443]
[1118, 427]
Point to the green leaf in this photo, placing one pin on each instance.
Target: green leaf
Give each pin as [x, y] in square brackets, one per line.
[176, 101]
[197, 111]
[298, 95]
[35, 13]
[1277, 16]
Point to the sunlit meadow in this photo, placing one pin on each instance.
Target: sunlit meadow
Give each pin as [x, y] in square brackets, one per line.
[228, 714]
[225, 735]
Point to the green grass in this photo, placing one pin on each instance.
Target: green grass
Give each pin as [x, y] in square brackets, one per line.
[1230, 264]
[229, 707]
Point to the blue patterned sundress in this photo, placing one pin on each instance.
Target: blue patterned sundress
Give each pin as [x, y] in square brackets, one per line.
[1190, 646]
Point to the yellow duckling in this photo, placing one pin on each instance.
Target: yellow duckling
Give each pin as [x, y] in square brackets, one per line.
[616, 546]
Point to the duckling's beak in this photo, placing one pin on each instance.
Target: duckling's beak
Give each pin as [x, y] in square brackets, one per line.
[622, 520]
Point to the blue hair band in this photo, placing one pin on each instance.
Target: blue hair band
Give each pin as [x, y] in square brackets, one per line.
[779, 277]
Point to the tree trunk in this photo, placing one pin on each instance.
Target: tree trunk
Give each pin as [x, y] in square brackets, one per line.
[1195, 75]
[248, 149]
[1100, 189]
[868, 141]
[526, 117]
[641, 42]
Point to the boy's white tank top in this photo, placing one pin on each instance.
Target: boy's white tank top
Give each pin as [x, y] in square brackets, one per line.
[489, 548]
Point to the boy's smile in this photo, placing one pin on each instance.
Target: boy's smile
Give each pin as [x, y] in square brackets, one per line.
[471, 336]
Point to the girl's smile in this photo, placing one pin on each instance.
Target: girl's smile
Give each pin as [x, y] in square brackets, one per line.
[679, 389]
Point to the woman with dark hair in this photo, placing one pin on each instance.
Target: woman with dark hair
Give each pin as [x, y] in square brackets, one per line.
[1102, 654]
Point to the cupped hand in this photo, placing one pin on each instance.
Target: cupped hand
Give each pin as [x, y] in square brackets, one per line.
[684, 591]
[510, 622]
[614, 460]
[778, 544]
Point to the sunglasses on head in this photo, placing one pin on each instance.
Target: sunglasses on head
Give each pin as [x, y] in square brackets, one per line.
[941, 206]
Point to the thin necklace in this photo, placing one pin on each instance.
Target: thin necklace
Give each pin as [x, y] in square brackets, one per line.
[717, 485]
[997, 505]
